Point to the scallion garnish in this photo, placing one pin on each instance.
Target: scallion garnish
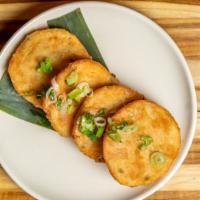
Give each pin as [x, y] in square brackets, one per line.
[52, 95]
[45, 66]
[115, 129]
[122, 125]
[115, 136]
[110, 121]
[157, 159]
[70, 109]
[101, 112]
[71, 79]
[100, 131]
[100, 121]
[59, 104]
[92, 126]
[74, 93]
[85, 88]
[87, 125]
[145, 140]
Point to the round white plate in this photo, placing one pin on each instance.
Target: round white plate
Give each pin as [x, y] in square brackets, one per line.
[144, 57]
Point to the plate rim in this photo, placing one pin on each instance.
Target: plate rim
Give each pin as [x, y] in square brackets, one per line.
[185, 68]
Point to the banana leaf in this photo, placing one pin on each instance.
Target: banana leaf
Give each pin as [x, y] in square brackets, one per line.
[75, 23]
[13, 104]
[17, 106]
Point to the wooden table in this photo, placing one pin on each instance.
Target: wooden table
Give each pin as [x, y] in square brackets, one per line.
[181, 19]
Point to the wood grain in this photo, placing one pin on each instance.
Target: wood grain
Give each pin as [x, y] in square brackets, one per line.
[180, 195]
[181, 19]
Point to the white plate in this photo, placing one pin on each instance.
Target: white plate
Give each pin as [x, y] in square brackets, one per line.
[144, 57]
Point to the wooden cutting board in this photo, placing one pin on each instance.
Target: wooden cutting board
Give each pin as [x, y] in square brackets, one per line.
[181, 19]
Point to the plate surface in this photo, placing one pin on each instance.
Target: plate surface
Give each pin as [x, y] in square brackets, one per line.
[144, 57]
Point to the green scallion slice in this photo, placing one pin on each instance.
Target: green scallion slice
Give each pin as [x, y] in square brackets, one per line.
[110, 121]
[52, 95]
[122, 125]
[157, 159]
[45, 66]
[101, 112]
[74, 93]
[70, 109]
[87, 125]
[145, 140]
[131, 127]
[115, 136]
[100, 131]
[71, 79]
[59, 104]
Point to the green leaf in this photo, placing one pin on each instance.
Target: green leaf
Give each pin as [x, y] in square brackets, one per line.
[17, 106]
[122, 125]
[75, 23]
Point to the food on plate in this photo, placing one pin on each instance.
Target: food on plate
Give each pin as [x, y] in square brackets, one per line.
[90, 121]
[137, 139]
[68, 90]
[142, 154]
[40, 56]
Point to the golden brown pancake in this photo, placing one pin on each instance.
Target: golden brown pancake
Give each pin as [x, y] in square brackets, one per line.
[143, 155]
[60, 46]
[87, 71]
[109, 98]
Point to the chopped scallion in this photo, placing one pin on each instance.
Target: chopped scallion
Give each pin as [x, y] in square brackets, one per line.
[131, 127]
[157, 159]
[100, 131]
[115, 136]
[71, 79]
[87, 125]
[59, 104]
[110, 121]
[115, 129]
[74, 93]
[45, 66]
[122, 125]
[70, 109]
[52, 95]
[145, 140]
[101, 112]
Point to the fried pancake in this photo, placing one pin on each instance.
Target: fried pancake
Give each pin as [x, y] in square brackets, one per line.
[143, 155]
[60, 46]
[87, 71]
[109, 98]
